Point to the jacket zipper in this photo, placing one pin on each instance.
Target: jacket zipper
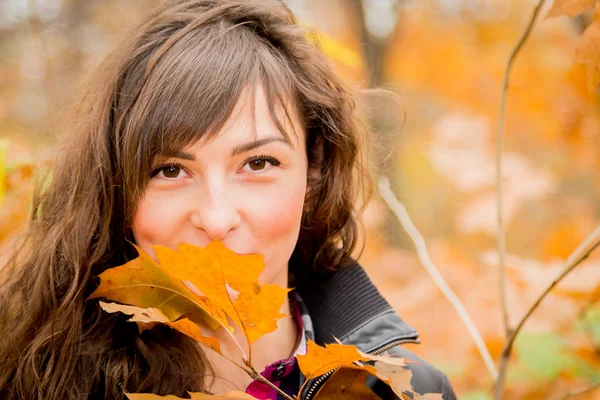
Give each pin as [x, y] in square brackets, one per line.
[394, 344]
[319, 382]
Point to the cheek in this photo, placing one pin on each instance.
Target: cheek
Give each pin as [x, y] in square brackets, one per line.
[281, 216]
[156, 221]
[275, 225]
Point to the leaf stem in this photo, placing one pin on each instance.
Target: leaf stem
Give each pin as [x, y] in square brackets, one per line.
[499, 151]
[501, 239]
[255, 375]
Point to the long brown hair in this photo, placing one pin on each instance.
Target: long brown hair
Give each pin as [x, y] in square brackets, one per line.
[174, 81]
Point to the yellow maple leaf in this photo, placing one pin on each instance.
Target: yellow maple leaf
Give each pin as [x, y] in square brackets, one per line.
[319, 360]
[143, 283]
[147, 318]
[195, 285]
[350, 373]
[214, 271]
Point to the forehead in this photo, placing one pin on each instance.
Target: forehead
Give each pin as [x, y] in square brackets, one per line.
[255, 116]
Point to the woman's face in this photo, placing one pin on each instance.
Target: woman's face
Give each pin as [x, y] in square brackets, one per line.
[247, 191]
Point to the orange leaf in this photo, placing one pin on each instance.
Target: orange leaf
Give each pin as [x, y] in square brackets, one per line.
[147, 318]
[397, 377]
[143, 283]
[215, 271]
[347, 383]
[570, 8]
[193, 285]
[192, 330]
[319, 360]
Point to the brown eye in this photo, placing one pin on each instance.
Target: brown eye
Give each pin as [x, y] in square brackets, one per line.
[171, 171]
[260, 163]
[257, 165]
[168, 171]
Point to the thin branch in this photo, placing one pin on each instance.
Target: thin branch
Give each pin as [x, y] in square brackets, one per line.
[264, 380]
[500, 204]
[581, 253]
[249, 369]
[499, 151]
[398, 208]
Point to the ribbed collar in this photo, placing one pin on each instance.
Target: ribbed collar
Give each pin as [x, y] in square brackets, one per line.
[347, 306]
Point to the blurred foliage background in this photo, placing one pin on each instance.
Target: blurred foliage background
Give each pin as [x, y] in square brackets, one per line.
[445, 59]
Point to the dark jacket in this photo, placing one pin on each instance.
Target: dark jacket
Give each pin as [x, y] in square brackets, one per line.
[349, 307]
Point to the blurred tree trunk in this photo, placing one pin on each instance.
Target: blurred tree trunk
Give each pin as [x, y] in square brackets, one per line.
[386, 117]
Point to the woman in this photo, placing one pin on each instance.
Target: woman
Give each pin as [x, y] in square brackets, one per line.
[216, 120]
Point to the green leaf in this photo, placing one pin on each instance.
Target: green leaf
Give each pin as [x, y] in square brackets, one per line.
[477, 395]
[543, 354]
[591, 323]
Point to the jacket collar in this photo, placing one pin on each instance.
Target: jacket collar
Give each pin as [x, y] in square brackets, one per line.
[347, 306]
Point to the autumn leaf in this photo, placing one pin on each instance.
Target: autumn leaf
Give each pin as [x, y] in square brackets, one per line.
[147, 318]
[588, 49]
[233, 395]
[319, 360]
[143, 283]
[570, 8]
[212, 282]
[348, 360]
[215, 271]
[394, 375]
[347, 384]
[350, 383]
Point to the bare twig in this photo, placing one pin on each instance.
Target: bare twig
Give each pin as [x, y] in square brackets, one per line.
[264, 380]
[581, 253]
[398, 208]
[499, 151]
[499, 386]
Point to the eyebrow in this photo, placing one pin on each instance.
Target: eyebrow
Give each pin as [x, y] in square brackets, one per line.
[242, 148]
[257, 143]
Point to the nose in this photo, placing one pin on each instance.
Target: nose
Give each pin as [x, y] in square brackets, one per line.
[216, 215]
